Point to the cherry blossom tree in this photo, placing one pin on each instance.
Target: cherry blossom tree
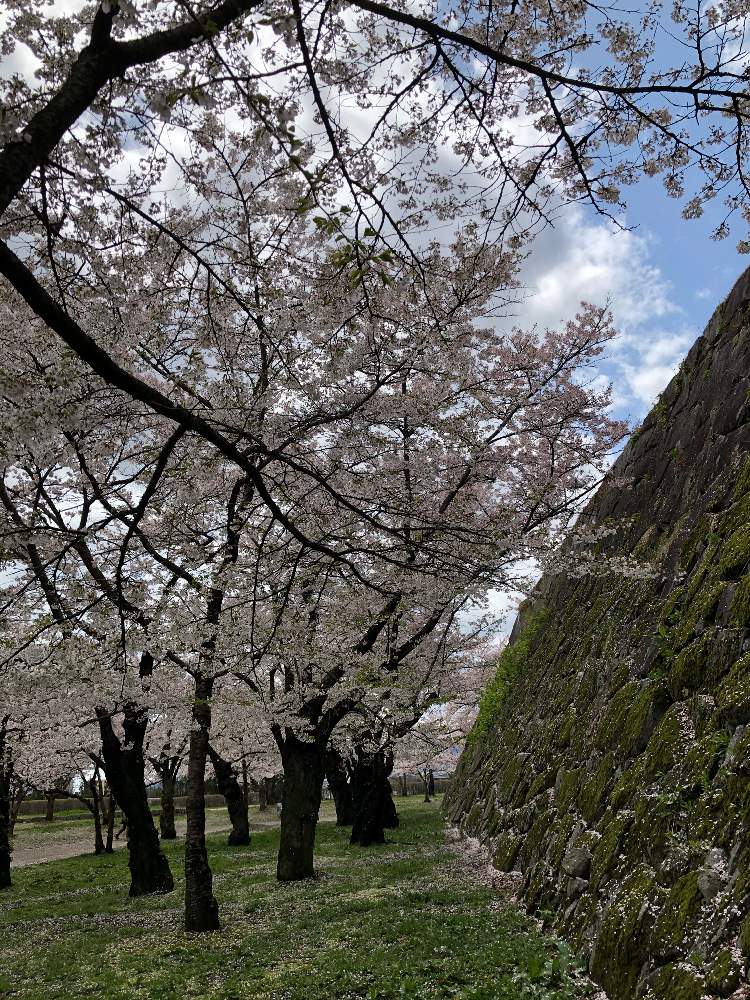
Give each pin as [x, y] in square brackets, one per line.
[307, 446]
[483, 446]
[485, 113]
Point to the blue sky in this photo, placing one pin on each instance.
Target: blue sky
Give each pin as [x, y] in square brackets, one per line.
[664, 277]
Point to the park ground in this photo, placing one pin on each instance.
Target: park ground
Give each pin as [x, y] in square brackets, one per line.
[411, 919]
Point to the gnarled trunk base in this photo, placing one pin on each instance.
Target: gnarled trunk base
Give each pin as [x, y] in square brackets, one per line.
[341, 788]
[374, 809]
[166, 816]
[201, 908]
[230, 788]
[124, 767]
[304, 769]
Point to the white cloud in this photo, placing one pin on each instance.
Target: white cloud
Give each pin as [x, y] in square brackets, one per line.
[585, 260]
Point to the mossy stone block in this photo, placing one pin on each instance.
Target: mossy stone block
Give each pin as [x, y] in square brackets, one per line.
[567, 789]
[724, 973]
[628, 785]
[702, 760]
[680, 908]
[604, 862]
[511, 775]
[669, 743]
[733, 694]
[689, 668]
[471, 824]
[506, 851]
[541, 783]
[592, 795]
[704, 599]
[622, 943]
[744, 939]
[611, 726]
[677, 981]
[739, 613]
[735, 553]
[559, 837]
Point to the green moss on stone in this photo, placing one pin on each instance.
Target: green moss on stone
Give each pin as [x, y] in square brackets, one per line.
[565, 731]
[534, 845]
[739, 614]
[723, 975]
[680, 908]
[611, 726]
[689, 667]
[511, 664]
[677, 982]
[631, 717]
[567, 789]
[717, 814]
[472, 820]
[700, 611]
[604, 860]
[700, 539]
[654, 820]
[580, 921]
[744, 940]
[622, 944]
[619, 676]
[510, 776]
[742, 483]
[627, 785]
[669, 743]
[735, 553]
[541, 783]
[733, 694]
[702, 760]
[591, 797]
[506, 851]
[541, 886]
[559, 837]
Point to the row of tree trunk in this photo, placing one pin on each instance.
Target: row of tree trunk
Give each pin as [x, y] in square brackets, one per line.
[362, 795]
[361, 791]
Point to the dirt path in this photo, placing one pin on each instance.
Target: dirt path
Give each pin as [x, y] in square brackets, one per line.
[36, 843]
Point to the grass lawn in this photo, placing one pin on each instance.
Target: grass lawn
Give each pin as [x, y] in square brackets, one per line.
[404, 920]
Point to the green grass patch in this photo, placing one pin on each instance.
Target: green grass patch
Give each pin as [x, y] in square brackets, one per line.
[403, 920]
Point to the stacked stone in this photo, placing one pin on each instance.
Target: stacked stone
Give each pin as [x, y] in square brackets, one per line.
[615, 774]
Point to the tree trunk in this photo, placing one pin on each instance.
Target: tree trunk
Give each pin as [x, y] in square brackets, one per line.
[262, 794]
[16, 797]
[405, 785]
[124, 767]
[111, 809]
[229, 787]
[304, 769]
[5, 774]
[341, 788]
[425, 783]
[50, 813]
[166, 817]
[431, 784]
[374, 810]
[201, 908]
[245, 786]
[95, 812]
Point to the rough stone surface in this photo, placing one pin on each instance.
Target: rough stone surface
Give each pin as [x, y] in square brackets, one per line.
[615, 772]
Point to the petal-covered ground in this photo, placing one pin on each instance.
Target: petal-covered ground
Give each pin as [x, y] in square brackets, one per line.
[414, 918]
[36, 842]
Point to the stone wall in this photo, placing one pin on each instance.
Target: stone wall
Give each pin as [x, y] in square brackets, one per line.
[614, 772]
